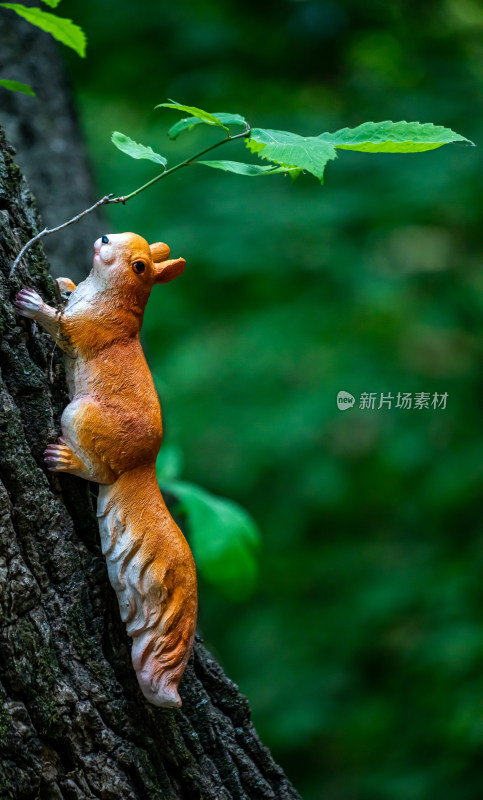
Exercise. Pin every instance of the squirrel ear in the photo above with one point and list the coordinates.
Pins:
(168, 270)
(159, 251)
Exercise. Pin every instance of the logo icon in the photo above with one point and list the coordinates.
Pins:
(345, 401)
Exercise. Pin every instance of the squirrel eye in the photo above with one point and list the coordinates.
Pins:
(138, 267)
(104, 239)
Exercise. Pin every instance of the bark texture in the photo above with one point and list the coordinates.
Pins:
(73, 721)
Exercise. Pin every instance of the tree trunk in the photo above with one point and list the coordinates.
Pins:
(45, 132)
(73, 721)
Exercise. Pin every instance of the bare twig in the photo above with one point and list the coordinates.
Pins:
(188, 161)
(47, 231)
(123, 199)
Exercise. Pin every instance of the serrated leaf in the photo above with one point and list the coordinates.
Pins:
(237, 167)
(16, 86)
(136, 150)
(393, 137)
(191, 122)
(223, 537)
(255, 145)
(62, 29)
(51, 3)
(205, 116)
(291, 150)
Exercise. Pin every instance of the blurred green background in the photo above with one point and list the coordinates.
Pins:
(360, 648)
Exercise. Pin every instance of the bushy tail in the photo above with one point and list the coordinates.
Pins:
(152, 570)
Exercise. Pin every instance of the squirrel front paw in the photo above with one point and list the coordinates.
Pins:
(28, 303)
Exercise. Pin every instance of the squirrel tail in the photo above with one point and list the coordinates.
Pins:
(152, 571)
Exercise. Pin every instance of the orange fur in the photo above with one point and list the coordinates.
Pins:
(112, 432)
(168, 563)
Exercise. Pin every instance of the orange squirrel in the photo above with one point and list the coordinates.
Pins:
(111, 434)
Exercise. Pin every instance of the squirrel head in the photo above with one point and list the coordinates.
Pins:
(127, 261)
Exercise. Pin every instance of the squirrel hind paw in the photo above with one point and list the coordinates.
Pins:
(60, 458)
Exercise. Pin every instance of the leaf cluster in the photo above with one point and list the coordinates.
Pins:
(291, 153)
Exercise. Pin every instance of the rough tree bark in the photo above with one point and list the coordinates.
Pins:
(73, 722)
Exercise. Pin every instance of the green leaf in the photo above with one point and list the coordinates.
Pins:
(64, 30)
(191, 122)
(223, 537)
(393, 137)
(16, 86)
(135, 150)
(169, 462)
(244, 169)
(51, 3)
(204, 116)
(291, 150)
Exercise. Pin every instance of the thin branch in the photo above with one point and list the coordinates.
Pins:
(47, 231)
(188, 161)
(123, 199)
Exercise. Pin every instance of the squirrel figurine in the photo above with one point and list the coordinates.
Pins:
(111, 434)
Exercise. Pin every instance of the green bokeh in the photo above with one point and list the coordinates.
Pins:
(361, 650)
